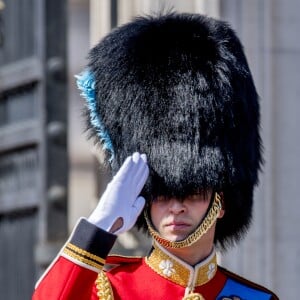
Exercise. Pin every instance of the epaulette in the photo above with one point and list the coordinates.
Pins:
(247, 282)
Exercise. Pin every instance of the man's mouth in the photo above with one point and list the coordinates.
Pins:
(177, 225)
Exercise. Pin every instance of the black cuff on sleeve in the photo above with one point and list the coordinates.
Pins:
(92, 239)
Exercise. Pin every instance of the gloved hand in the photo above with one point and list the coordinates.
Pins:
(120, 200)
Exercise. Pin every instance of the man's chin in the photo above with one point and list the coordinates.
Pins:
(175, 238)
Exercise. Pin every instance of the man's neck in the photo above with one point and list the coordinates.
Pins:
(191, 255)
(196, 252)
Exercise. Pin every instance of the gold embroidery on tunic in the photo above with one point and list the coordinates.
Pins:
(177, 272)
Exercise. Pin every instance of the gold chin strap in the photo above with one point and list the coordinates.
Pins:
(202, 229)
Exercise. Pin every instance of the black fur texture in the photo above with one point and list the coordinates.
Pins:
(178, 88)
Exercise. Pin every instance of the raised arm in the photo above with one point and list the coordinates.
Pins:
(73, 272)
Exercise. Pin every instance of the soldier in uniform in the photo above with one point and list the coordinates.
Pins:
(172, 101)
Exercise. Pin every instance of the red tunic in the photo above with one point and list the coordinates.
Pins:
(77, 274)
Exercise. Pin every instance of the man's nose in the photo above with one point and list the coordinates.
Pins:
(176, 206)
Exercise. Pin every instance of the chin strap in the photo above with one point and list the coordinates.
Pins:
(202, 229)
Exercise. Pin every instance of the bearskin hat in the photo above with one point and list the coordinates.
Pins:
(178, 88)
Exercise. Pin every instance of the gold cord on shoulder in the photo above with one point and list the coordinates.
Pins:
(193, 296)
(104, 289)
(202, 229)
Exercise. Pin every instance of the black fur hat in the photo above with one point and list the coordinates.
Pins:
(178, 88)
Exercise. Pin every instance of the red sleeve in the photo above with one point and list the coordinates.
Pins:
(66, 280)
(73, 273)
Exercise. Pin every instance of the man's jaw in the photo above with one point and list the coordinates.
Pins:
(176, 230)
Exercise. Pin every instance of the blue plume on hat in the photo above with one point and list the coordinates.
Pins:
(86, 83)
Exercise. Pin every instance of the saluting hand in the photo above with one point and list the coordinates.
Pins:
(120, 204)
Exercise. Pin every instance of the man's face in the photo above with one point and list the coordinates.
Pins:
(175, 219)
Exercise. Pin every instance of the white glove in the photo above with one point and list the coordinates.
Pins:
(120, 199)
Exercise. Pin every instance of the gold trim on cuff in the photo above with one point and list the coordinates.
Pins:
(84, 256)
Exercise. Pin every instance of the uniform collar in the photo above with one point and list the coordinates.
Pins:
(178, 271)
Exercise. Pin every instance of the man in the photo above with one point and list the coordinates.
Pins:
(176, 88)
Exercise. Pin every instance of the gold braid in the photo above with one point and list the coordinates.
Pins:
(103, 287)
(193, 296)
